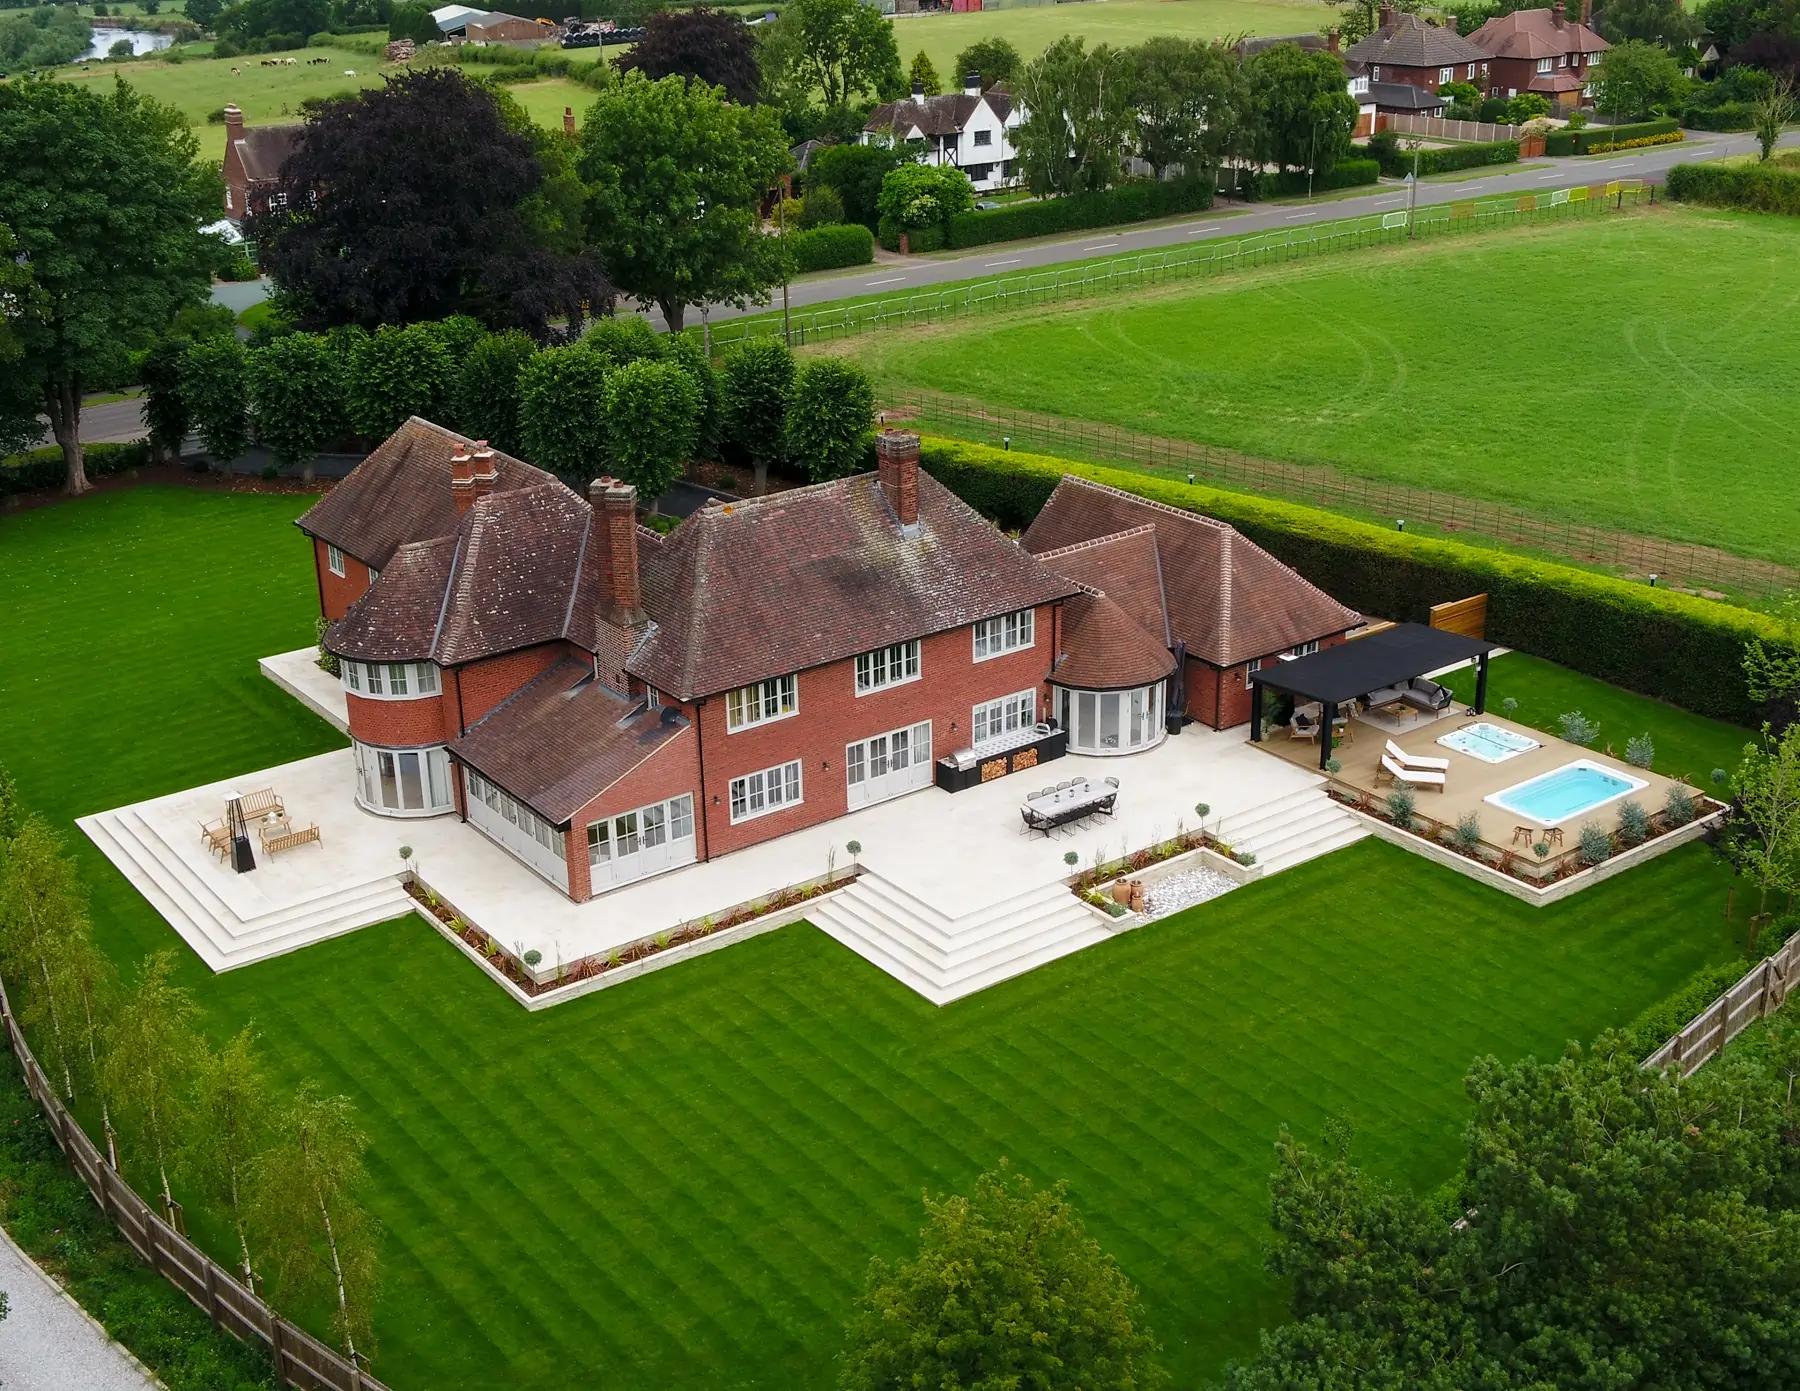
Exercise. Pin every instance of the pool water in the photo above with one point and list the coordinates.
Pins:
(1489, 742)
(1564, 793)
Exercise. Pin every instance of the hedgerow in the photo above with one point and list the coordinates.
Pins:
(833, 246)
(1679, 647)
(44, 468)
(1581, 142)
(1672, 137)
(1132, 202)
(1759, 187)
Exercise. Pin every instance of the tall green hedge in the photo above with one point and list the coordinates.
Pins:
(1759, 187)
(1397, 163)
(1683, 649)
(43, 469)
(833, 246)
(1133, 202)
(1576, 142)
(1727, 115)
(1346, 173)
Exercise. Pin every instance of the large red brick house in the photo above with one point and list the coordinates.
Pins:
(252, 165)
(1541, 51)
(606, 703)
(1419, 53)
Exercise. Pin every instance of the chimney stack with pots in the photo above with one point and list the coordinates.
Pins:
(1387, 17)
(1451, 24)
(897, 467)
(918, 92)
(1559, 14)
(568, 120)
(972, 84)
(1331, 39)
(484, 473)
(615, 535)
(1587, 13)
(462, 480)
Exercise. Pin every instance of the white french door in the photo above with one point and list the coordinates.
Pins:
(888, 764)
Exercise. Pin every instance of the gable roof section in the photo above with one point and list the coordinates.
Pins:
(401, 493)
(941, 115)
(1412, 43)
(1126, 568)
(1226, 597)
(778, 584)
(563, 739)
(264, 149)
(1533, 34)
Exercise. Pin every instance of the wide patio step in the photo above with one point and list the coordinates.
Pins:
(1294, 828)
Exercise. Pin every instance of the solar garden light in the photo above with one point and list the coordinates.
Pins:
(1653, 579)
(1190, 478)
(1399, 523)
(1006, 441)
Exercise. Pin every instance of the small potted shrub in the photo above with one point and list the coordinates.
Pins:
(1467, 836)
(1634, 824)
(1596, 844)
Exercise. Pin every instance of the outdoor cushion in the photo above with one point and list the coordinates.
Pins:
(1416, 775)
(1383, 696)
(1413, 760)
(1426, 695)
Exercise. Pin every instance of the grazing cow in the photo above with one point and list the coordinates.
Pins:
(314, 62)
(290, 62)
(234, 72)
(349, 72)
(267, 62)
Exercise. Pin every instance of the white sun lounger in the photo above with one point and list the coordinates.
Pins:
(1417, 777)
(1413, 760)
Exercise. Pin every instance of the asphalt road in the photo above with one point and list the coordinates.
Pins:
(899, 275)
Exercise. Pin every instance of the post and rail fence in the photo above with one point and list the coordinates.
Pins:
(1385, 501)
(298, 1358)
(1216, 256)
(1763, 990)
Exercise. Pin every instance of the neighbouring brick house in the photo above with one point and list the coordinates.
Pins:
(1541, 51)
(1418, 53)
(606, 703)
(253, 159)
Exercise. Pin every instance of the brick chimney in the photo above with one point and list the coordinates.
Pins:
(1560, 14)
(1587, 13)
(1331, 39)
(972, 84)
(615, 537)
(234, 123)
(897, 467)
(1387, 17)
(918, 92)
(462, 480)
(1452, 24)
(485, 473)
(568, 120)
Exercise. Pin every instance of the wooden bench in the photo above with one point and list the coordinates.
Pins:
(278, 838)
(257, 805)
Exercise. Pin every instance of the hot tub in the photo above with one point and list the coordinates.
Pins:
(1491, 743)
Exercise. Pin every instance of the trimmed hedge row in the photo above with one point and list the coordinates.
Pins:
(1579, 142)
(1400, 162)
(1668, 137)
(1346, 173)
(830, 247)
(1133, 202)
(1727, 115)
(43, 468)
(1759, 187)
(1674, 646)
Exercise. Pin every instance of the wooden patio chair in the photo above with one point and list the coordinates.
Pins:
(217, 837)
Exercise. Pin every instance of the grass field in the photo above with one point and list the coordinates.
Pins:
(265, 95)
(1579, 369)
(1117, 22)
(679, 1182)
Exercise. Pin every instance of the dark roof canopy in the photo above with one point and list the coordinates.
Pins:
(1385, 658)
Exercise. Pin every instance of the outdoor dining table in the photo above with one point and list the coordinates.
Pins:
(1052, 808)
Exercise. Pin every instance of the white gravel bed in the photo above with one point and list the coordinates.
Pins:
(1184, 890)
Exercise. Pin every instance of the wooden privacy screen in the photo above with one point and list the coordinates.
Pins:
(1465, 616)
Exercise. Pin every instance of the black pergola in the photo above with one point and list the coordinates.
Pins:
(1393, 656)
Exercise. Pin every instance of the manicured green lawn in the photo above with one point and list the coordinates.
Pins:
(1581, 369)
(678, 1183)
(1118, 22)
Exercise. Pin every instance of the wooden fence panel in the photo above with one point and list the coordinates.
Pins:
(299, 1358)
(1761, 991)
(1465, 616)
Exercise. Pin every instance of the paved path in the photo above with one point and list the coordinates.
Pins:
(48, 1344)
(898, 275)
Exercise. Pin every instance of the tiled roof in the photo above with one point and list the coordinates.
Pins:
(943, 115)
(1226, 597)
(1124, 567)
(1104, 648)
(563, 739)
(401, 493)
(264, 149)
(777, 584)
(1565, 81)
(1409, 42)
(1533, 34)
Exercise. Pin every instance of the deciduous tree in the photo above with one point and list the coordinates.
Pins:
(717, 48)
(995, 59)
(395, 373)
(1304, 112)
(416, 200)
(1189, 99)
(835, 50)
(1633, 78)
(758, 383)
(1662, 22)
(1007, 1290)
(856, 172)
(487, 389)
(915, 196)
(42, 910)
(217, 396)
(562, 411)
(104, 194)
(678, 174)
(831, 418)
(297, 386)
(1763, 838)
(150, 1051)
(309, 1214)
(653, 424)
(1772, 112)
(1078, 109)
(233, 1119)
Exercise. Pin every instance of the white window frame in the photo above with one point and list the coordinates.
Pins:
(508, 822)
(1546, 65)
(378, 680)
(762, 702)
(765, 792)
(996, 719)
(1306, 649)
(1375, 73)
(334, 560)
(905, 657)
(433, 771)
(1446, 75)
(622, 848)
(1471, 72)
(1004, 633)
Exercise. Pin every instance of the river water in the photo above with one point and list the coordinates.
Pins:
(142, 41)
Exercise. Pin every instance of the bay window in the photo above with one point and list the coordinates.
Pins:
(390, 680)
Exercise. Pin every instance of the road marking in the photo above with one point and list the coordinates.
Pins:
(1295, 217)
(1013, 262)
(1100, 245)
(891, 280)
(1380, 201)
(1553, 174)
(1464, 188)
(1210, 227)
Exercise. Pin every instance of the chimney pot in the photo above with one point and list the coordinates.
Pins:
(615, 511)
(972, 84)
(918, 92)
(1451, 24)
(568, 120)
(1332, 39)
(1559, 14)
(897, 468)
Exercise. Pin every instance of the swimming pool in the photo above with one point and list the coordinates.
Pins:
(1488, 742)
(1552, 798)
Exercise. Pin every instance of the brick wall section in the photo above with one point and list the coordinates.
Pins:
(338, 592)
(1222, 698)
(478, 687)
(670, 771)
(832, 715)
(400, 724)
